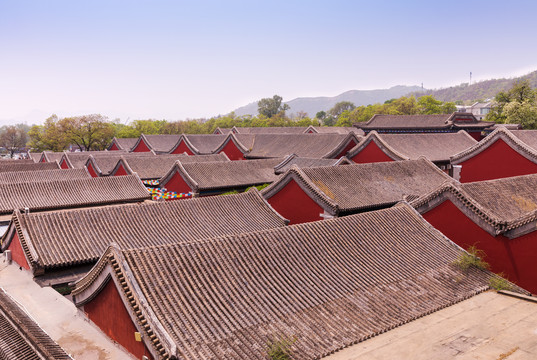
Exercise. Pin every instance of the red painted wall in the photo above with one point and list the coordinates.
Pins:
(232, 151)
(91, 170)
(108, 312)
(177, 184)
(142, 147)
(513, 257)
(294, 204)
(371, 154)
(344, 152)
(499, 160)
(121, 171)
(182, 148)
(476, 135)
(63, 164)
(17, 254)
(113, 147)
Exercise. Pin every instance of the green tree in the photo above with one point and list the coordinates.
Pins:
(341, 107)
(321, 115)
(403, 106)
(270, 107)
(510, 106)
(48, 136)
(523, 113)
(89, 132)
(344, 119)
(13, 137)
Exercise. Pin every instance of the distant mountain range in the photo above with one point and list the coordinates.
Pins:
(312, 105)
(466, 93)
(481, 90)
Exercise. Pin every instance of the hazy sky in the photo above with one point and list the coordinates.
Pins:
(187, 59)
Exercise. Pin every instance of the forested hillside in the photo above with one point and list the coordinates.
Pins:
(481, 90)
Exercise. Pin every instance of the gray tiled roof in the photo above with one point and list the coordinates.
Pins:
(304, 145)
(434, 146)
(359, 187)
(325, 285)
(43, 175)
(10, 166)
(60, 194)
(504, 203)
(85, 233)
(202, 176)
(158, 166)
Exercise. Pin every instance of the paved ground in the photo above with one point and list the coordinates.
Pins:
(58, 317)
(487, 326)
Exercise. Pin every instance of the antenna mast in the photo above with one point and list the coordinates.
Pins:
(470, 78)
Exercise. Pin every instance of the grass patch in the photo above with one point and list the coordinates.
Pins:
(473, 257)
(279, 348)
(498, 282)
(258, 187)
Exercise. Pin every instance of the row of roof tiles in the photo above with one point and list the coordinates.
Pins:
(327, 285)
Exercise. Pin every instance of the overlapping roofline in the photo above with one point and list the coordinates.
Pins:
(289, 158)
(500, 133)
(373, 136)
(479, 214)
(112, 266)
(231, 137)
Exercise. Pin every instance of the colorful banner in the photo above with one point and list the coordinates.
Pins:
(162, 194)
(150, 182)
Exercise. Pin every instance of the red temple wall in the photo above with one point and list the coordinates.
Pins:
(515, 258)
(121, 171)
(91, 170)
(17, 253)
(476, 135)
(232, 151)
(294, 204)
(182, 148)
(108, 312)
(113, 147)
(63, 164)
(142, 147)
(497, 161)
(370, 154)
(177, 184)
(344, 152)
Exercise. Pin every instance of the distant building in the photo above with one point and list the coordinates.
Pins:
(478, 109)
(425, 123)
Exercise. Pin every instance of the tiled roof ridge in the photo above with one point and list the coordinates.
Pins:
(308, 185)
(199, 175)
(362, 124)
(41, 175)
(133, 296)
(459, 194)
(231, 136)
(379, 141)
(111, 181)
(28, 329)
(183, 138)
(400, 205)
(132, 253)
(91, 160)
(500, 133)
(140, 139)
(338, 148)
(285, 161)
(297, 174)
(179, 168)
(25, 241)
